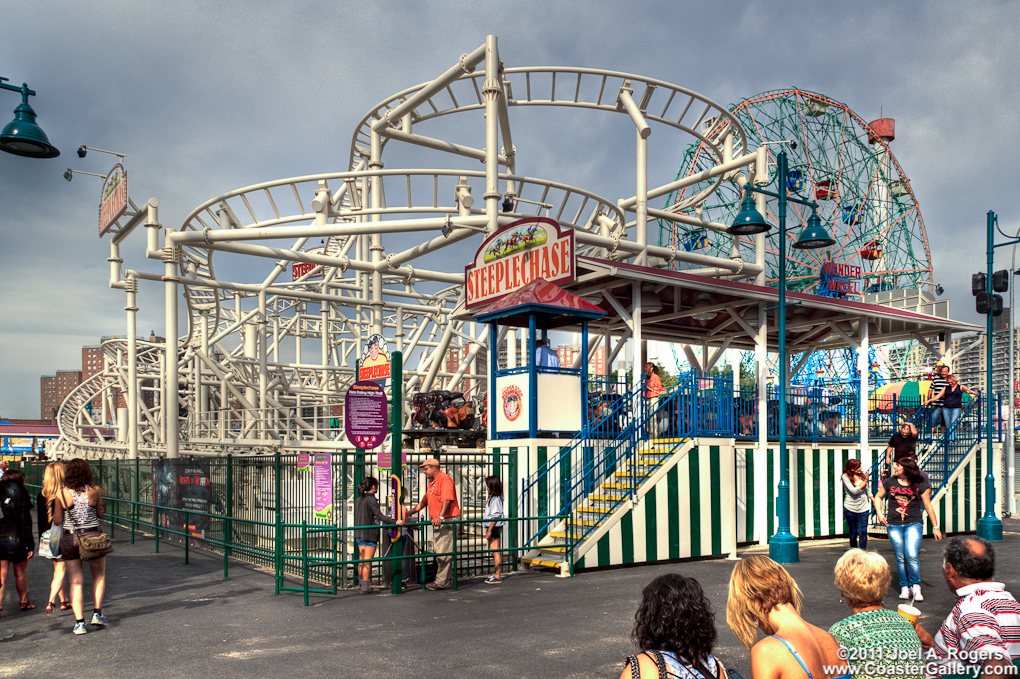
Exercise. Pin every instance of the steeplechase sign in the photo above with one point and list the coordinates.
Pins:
(114, 201)
(509, 259)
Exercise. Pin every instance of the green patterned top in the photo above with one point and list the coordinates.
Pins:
(880, 644)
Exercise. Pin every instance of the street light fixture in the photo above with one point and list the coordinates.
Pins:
(22, 136)
(783, 546)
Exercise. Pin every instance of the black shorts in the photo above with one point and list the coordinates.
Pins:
(497, 533)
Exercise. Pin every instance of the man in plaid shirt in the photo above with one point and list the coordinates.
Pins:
(981, 636)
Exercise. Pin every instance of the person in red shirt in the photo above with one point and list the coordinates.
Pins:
(441, 500)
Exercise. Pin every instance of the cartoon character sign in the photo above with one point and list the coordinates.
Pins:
(512, 398)
(375, 359)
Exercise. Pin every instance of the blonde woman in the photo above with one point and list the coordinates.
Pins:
(763, 596)
(873, 632)
(53, 481)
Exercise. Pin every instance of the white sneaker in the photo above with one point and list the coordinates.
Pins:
(904, 592)
(916, 591)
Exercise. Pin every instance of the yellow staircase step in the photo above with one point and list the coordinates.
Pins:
(541, 562)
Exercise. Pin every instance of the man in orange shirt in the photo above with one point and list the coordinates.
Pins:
(441, 500)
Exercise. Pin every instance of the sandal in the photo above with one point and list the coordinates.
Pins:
(65, 605)
(27, 606)
(50, 607)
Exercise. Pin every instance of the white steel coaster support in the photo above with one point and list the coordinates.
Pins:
(170, 384)
(131, 287)
(492, 89)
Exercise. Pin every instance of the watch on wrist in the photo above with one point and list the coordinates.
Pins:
(442, 518)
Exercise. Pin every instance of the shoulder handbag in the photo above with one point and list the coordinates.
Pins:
(91, 546)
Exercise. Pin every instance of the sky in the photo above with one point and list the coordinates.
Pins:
(203, 98)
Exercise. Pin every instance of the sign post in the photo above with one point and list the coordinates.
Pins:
(396, 471)
(322, 485)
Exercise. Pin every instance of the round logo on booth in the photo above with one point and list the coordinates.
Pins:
(512, 397)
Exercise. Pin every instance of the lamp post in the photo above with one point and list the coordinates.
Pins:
(22, 136)
(989, 526)
(783, 546)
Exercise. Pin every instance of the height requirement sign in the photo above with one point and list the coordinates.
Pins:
(517, 254)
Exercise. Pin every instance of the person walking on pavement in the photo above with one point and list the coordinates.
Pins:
(17, 543)
(79, 507)
(909, 494)
(981, 636)
(856, 502)
(441, 500)
(53, 481)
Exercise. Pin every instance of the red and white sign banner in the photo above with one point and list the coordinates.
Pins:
(517, 254)
(114, 199)
(299, 269)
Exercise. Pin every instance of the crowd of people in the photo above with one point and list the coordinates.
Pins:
(675, 629)
(67, 533)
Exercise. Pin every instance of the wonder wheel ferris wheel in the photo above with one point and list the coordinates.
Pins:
(864, 199)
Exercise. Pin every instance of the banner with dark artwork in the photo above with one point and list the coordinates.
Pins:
(179, 486)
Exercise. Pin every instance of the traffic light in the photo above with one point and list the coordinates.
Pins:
(983, 302)
(996, 305)
(334, 423)
(1000, 281)
(977, 284)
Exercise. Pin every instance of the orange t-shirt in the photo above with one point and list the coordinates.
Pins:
(653, 387)
(440, 490)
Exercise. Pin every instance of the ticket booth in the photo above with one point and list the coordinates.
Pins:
(535, 400)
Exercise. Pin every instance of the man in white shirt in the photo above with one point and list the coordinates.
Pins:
(981, 636)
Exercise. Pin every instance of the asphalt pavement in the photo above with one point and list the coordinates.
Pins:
(169, 619)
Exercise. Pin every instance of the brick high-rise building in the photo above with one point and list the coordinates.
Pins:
(596, 366)
(53, 389)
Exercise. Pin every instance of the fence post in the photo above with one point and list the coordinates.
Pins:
(187, 536)
(277, 540)
(304, 556)
(116, 485)
(454, 556)
(228, 532)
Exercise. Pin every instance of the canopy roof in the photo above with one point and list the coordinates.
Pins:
(552, 306)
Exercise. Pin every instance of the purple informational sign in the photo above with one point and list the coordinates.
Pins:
(322, 485)
(365, 415)
(304, 461)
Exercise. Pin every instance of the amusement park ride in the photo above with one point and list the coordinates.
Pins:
(429, 259)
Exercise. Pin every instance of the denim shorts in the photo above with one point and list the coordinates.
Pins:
(365, 543)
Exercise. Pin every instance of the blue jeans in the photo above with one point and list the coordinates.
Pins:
(949, 416)
(906, 542)
(936, 416)
(858, 523)
(365, 543)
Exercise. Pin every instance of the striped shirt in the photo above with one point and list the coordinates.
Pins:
(937, 385)
(985, 621)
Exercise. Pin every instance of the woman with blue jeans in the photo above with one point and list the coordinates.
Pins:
(909, 493)
(367, 514)
(856, 503)
(952, 403)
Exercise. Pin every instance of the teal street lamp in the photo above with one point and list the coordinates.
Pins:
(783, 546)
(23, 136)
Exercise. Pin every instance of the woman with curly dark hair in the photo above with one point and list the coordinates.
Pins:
(17, 544)
(79, 507)
(675, 629)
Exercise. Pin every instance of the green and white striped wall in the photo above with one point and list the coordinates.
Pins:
(702, 503)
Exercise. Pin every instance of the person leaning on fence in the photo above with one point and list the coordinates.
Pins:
(79, 508)
(367, 513)
(441, 500)
(17, 544)
(982, 633)
(53, 481)
(494, 525)
(873, 632)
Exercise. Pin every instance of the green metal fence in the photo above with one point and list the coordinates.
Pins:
(261, 512)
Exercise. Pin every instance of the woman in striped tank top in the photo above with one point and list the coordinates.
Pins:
(79, 508)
